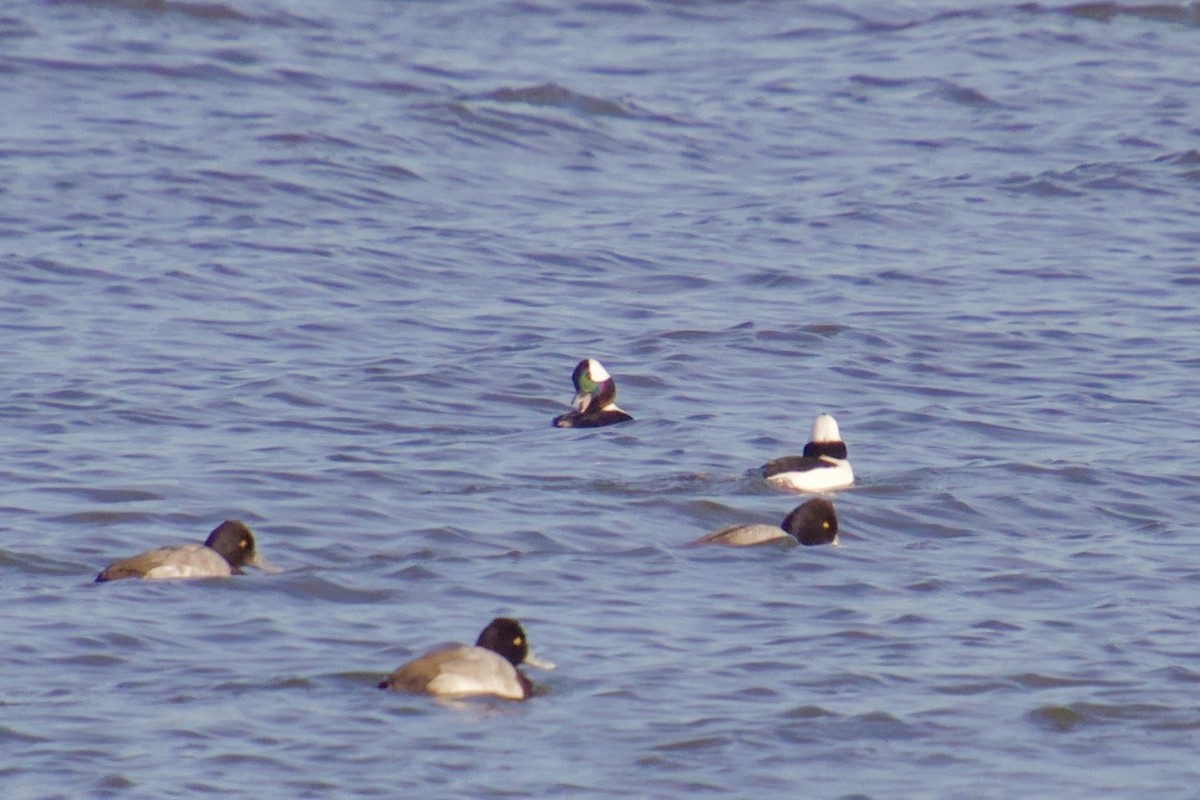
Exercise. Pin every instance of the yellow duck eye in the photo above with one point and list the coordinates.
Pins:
(825, 524)
(517, 641)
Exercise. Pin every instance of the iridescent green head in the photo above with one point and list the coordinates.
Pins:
(593, 385)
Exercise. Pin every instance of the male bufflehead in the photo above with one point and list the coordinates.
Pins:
(595, 398)
(825, 465)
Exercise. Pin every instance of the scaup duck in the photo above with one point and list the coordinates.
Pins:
(595, 398)
(811, 523)
(825, 465)
(228, 548)
(488, 668)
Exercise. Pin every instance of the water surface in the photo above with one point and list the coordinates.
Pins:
(329, 272)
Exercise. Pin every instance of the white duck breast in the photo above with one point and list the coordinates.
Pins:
(810, 474)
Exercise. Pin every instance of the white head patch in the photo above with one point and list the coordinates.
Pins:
(825, 429)
(597, 371)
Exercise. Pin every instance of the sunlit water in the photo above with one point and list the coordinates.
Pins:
(328, 267)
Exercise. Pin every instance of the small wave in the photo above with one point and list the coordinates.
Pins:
(102, 495)
(1041, 186)
(1083, 179)
(1067, 718)
(1058, 718)
(966, 96)
(551, 94)
(1035, 680)
(1154, 12)
(1189, 158)
(880, 82)
(209, 12)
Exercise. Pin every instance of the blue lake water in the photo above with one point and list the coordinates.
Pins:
(328, 269)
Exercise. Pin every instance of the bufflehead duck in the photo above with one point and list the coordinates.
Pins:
(825, 465)
(488, 668)
(228, 548)
(595, 398)
(811, 523)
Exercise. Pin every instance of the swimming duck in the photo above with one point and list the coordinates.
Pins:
(825, 465)
(595, 398)
(488, 668)
(228, 548)
(811, 523)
